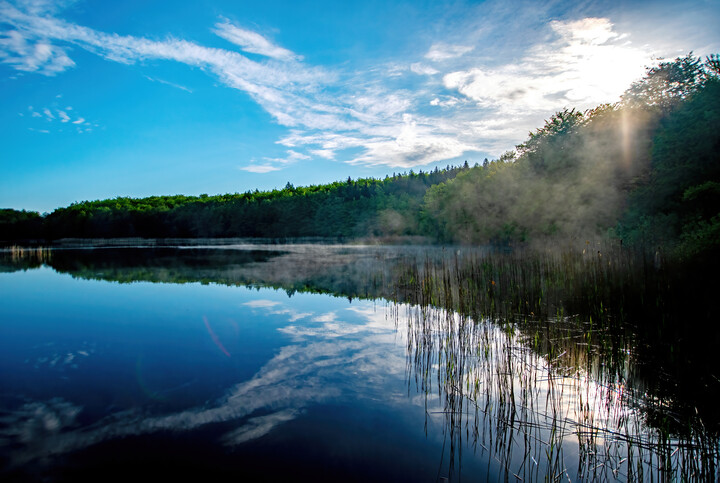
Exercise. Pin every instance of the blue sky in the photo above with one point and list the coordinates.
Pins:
(135, 98)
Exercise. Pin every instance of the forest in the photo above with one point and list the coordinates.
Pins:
(644, 172)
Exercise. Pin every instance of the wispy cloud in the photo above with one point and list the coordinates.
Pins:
(293, 315)
(423, 69)
(38, 7)
(454, 98)
(168, 83)
(327, 317)
(338, 359)
(53, 115)
(415, 144)
(323, 153)
(260, 168)
(261, 303)
(441, 51)
(447, 101)
(32, 55)
(252, 42)
(585, 64)
(275, 164)
(259, 426)
(292, 156)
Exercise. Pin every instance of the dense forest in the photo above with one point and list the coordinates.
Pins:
(347, 209)
(645, 170)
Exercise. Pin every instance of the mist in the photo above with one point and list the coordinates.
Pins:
(582, 175)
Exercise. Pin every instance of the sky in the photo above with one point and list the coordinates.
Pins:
(137, 98)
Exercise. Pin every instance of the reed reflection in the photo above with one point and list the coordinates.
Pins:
(571, 363)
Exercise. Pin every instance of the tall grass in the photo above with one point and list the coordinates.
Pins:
(535, 355)
(588, 362)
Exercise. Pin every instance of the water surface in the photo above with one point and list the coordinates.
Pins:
(305, 363)
(103, 376)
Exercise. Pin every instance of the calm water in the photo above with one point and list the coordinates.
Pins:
(218, 361)
(102, 377)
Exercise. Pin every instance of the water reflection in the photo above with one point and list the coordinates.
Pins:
(326, 352)
(544, 416)
(493, 393)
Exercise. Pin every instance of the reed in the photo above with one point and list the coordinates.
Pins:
(587, 362)
(535, 353)
(31, 256)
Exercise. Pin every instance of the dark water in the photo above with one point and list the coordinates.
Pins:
(276, 364)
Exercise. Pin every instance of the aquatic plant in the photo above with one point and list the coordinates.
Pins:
(538, 354)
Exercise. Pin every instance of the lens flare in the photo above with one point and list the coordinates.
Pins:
(214, 337)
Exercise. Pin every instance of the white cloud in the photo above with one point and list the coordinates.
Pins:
(259, 79)
(259, 426)
(276, 164)
(168, 83)
(292, 156)
(287, 89)
(414, 145)
(38, 7)
(369, 117)
(422, 69)
(253, 42)
(582, 67)
(261, 303)
(293, 315)
(441, 51)
(447, 101)
(323, 153)
(32, 55)
(327, 317)
(53, 114)
(260, 168)
(589, 31)
(386, 115)
(363, 358)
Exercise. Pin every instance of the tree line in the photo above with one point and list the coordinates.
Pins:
(366, 207)
(644, 170)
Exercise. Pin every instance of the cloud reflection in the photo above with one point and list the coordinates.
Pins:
(353, 354)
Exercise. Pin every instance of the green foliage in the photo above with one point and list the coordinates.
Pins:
(645, 169)
(667, 84)
(568, 180)
(19, 224)
(354, 208)
(473, 206)
(677, 206)
(653, 156)
(553, 146)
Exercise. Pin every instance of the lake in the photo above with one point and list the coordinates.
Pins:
(312, 362)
